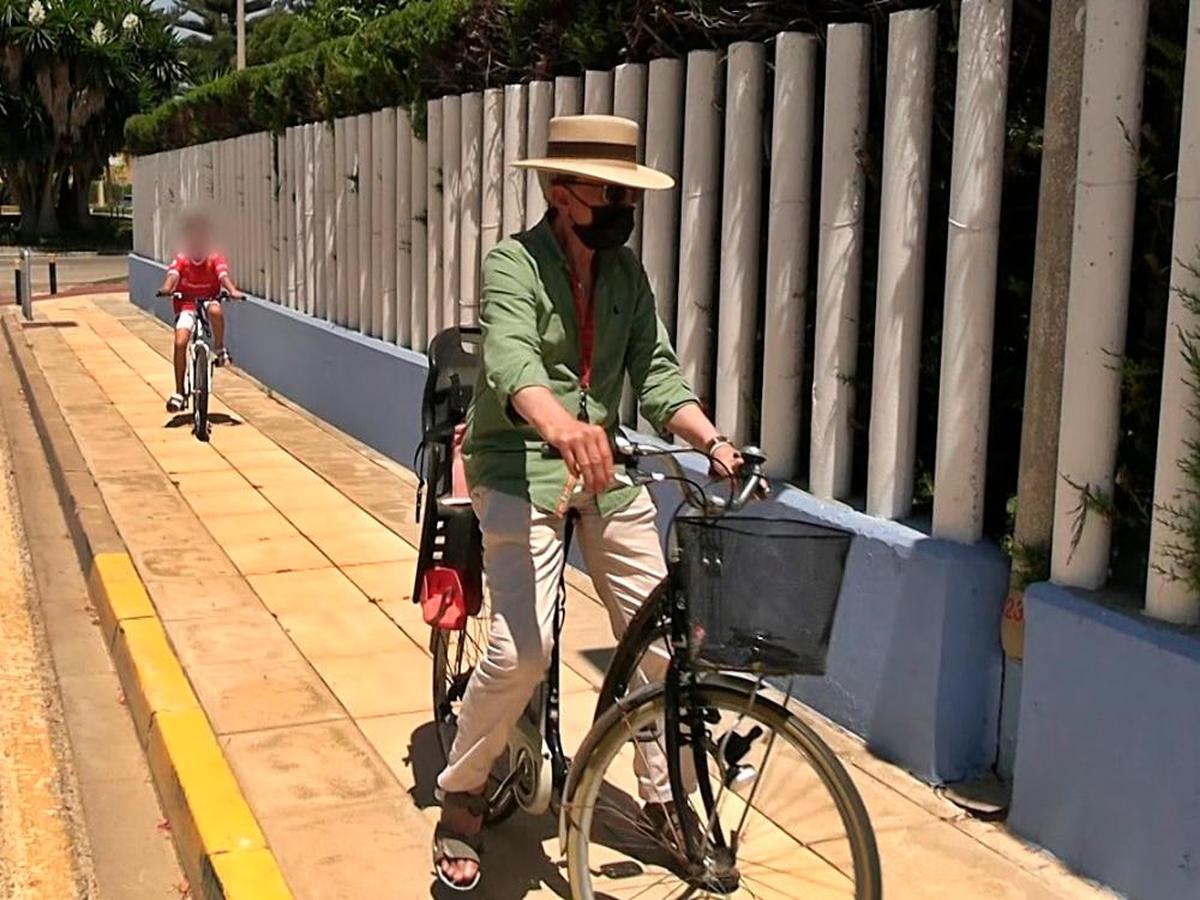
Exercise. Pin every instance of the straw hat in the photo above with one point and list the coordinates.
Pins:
(603, 148)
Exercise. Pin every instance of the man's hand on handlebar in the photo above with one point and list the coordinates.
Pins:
(725, 462)
(586, 450)
(746, 481)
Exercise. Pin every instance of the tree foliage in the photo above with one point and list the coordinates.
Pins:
(279, 34)
(71, 73)
(209, 33)
(1182, 514)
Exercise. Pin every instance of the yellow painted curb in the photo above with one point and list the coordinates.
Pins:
(221, 847)
(202, 800)
(249, 875)
(150, 673)
(114, 579)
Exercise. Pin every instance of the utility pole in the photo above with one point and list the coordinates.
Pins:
(241, 34)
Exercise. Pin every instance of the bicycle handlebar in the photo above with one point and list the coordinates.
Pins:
(628, 453)
(222, 296)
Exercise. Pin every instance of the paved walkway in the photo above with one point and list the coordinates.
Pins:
(280, 558)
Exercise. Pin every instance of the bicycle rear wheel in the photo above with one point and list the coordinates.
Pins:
(200, 370)
(455, 656)
(785, 821)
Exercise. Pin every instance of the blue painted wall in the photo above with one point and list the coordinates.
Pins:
(1107, 770)
(914, 665)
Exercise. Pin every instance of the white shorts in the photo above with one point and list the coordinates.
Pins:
(186, 320)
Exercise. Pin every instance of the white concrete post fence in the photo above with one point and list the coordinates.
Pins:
(491, 217)
(699, 213)
(1097, 305)
(741, 207)
(788, 224)
(900, 287)
(541, 110)
(1167, 594)
(452, 152)
(663, 140)
(399, 228)
(382, 231)
(839, 261)
(971, 252)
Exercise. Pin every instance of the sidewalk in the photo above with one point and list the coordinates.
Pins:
(280, 558)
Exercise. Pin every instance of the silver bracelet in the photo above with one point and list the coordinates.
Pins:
(721, 442)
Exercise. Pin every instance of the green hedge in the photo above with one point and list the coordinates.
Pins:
(431, 47)
(378, 66)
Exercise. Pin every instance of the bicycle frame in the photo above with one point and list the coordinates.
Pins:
(546, 704)
(201, 328)
(200, 332)
(664, 614)
(531, 752)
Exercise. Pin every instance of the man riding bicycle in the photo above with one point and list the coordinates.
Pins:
(567, 313)
(198, 273)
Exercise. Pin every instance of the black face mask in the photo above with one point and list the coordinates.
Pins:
(611, 226)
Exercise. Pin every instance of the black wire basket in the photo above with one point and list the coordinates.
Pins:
(761, 593)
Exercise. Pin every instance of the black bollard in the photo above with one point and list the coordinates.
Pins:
(17, 283)
(53, 274)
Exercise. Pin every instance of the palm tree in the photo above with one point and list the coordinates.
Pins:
(71, 72)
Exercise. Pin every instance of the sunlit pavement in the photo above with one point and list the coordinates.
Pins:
(280, 558)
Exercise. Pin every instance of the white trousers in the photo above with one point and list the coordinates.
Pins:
(523, 559)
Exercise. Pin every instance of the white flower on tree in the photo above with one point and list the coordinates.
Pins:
(99, 33)
(131, 22)
(37, 13)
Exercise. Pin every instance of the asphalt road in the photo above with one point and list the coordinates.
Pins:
(74, 269)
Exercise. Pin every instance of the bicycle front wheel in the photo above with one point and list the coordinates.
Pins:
(778, 817)
(200, 392)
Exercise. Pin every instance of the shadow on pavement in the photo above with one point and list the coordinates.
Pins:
(179, 420)
(514, 861)
(65, 324)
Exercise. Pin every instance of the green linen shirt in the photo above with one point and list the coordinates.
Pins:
(531, 337)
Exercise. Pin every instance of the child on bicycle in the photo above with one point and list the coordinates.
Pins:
(198, 273)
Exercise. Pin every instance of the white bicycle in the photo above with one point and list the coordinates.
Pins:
(201, 360)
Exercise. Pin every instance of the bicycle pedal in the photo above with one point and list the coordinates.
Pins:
(738, 776)
(736, 746)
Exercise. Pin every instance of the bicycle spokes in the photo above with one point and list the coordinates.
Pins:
(766, 821)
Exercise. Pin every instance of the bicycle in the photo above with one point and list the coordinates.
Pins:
(200, 362)
(718, 731)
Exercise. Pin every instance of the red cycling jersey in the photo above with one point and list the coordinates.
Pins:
(197, 280)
